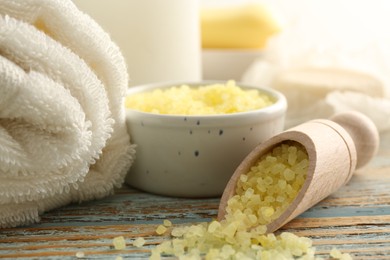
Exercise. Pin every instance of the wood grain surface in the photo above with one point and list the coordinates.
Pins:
(355, 219)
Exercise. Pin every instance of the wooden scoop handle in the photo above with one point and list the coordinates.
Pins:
(363, 133)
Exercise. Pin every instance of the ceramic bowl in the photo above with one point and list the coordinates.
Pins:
(195, 156)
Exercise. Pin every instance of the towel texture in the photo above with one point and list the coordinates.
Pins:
(63, 136)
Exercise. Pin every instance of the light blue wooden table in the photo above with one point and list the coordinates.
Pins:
(356, 220)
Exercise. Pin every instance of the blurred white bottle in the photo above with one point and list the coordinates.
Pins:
(160, 39)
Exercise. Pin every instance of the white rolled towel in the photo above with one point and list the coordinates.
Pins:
(63, 136)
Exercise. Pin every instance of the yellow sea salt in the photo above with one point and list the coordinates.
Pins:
(161, 229)
(167, 223)
(213, 226)
(275, 179)
(139, 242)
(202, 100)
(261, 196)
(337, 254)
(119, 243)
(80, 254)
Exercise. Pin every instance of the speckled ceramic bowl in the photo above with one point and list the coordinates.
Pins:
(194, 156)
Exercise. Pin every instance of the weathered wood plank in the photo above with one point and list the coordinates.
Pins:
(355, 219)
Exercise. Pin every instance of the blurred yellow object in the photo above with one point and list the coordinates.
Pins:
(245, 26)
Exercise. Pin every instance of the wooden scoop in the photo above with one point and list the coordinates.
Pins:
(335, 148)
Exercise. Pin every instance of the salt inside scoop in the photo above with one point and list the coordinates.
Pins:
(271, 184)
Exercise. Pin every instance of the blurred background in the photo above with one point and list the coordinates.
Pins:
(324, 55)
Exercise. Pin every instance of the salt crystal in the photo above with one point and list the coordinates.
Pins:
(119, 243)
(161, 229)
(139, 242)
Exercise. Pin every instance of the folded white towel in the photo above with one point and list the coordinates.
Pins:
(62, 125)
